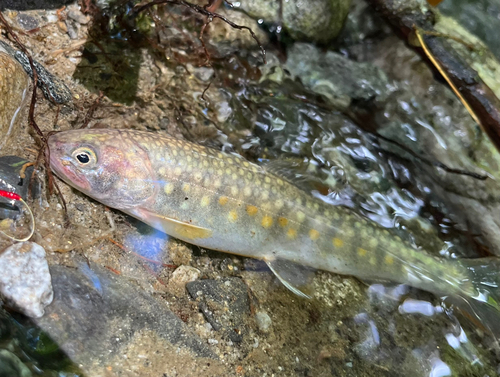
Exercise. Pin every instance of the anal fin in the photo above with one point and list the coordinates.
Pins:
(291, 275)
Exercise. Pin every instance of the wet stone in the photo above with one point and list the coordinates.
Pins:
(224, 303)
(97, 316)
(12, 366)
(341, 80)
(25, 282)
(54, 89)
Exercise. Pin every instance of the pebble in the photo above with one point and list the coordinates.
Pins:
(184, 274)
(264, 322)
(25, 282)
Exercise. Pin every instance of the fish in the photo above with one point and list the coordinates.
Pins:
(221, 201)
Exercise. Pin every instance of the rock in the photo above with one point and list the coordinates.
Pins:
(184, 274)
(12, 366)
(54, 89)
(25, 280)
(14, 85)
(78, 16)
(224, 303)
(32, 4)
(264, 322)
(337, 78)
(315, 20)
(99, 318)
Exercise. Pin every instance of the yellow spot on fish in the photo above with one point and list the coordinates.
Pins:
(245, 164)
(241, 172)
(357, 224)
(313, 234)
(301, 216)
(205, 163)
(217, 183)
(280, 182)
(252, 210)
(205, 201)
(177, 171)
(233, 216)
(267, 221)
(247, 191)
(274, 190)
(234, 190)
(265, 195)
(389, 259)
(362, 252)
(174, 152)
(373, 243)
(189, 158)
(283, 221)
(186, 187)
(337, 242)
(234, 176)
(292, 233)
(267, 179)
(169, 188)
(249, 176)
(198, 176)
(228, 171)
(220, 155)
(161, 170)
(223, 200)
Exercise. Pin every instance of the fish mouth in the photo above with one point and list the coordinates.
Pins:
(62, 166)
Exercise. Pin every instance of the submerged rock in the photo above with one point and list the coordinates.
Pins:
(25, 280)
(12, 366)
(223, 303)
(101, 319)
(313, 20)
(335, 77)
(14, 84)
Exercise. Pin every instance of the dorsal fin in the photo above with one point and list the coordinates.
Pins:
(173, 227)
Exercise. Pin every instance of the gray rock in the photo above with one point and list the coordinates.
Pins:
(97, 314)
(224, 303)
(53, 88)
(32, 4)
(335, 77)
(25, 280)
(12, 366)
(314, 20)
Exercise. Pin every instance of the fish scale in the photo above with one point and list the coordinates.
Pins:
(221, 201)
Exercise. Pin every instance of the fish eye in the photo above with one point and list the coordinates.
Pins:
(85, 156)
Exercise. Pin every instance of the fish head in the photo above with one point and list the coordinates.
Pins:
(104, 165)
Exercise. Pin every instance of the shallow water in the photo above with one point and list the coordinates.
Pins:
(279, 116)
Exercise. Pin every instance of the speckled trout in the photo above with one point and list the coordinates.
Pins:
(222, 202)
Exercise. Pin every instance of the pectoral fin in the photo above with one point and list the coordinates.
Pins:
(173, 227)
(291, 275)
